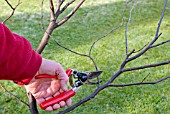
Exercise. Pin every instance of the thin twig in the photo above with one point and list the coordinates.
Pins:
(68, 4)
(59, 3)
(62, 45)
(42, 14)
(69, 15)
(77, 53)
(156, 35)
(114, 76)
(145, 78)
(141, 48)
(139, 83)
(146, 66)
(52, 10)
(161, 18)
(159, 44)
(13, 10)
(14, 95)
(145, 49)
(127, 25)
(111, 31)
(100, 88)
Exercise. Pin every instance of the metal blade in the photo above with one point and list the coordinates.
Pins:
(93, 83)
(92, 75)
(71, 81)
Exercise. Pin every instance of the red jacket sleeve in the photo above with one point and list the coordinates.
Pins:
(18, 61)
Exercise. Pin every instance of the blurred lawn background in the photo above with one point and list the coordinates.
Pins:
(93, 20)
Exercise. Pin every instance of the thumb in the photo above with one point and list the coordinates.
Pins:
(62, 76)
(63, 84)
(54, 68)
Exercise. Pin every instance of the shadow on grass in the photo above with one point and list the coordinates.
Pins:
(88, 24)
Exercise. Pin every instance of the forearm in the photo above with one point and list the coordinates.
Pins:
(19, 62)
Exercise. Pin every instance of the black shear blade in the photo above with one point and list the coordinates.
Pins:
(92, 75)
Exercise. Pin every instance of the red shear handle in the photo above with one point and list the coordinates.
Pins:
(45, 76)
(61, 97)
(68, 72)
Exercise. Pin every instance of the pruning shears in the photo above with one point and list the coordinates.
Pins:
(81, 77)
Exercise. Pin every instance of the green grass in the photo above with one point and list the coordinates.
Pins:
(93, 20)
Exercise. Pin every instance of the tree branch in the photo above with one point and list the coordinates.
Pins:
(127, 24)
(159, 44)
(122, 70)
(69, 15)
(52, 10)
(144, 50)
(13, 10)
(139, 83)
(32, 103)
(156, 34)
(146, 66)
(65, 7)
(14, 95)
(59, 3)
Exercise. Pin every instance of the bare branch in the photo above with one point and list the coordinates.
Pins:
(122, 70)
(111, 31)
(14, 95)
(141, 48)
(68, 48)
(65, 7)
(13, 10)
(145, 78)
(146, 66)
(90, 97)
(145, 49)
(127, 25)
(73, 51)
(69, 15)
(161, 18)
(52, 10)
(59, 3)
(159, 44)
(156, 35)
(10, 4)
(52, 25)
(32, 104)
(139, 83)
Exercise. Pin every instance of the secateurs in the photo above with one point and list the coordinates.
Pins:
(81, 77)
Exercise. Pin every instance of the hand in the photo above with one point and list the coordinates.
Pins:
(44, 89)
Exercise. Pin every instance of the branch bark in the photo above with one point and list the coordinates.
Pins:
(139, 83)
(69, 15)
(146, 66)
(53, 24)
(122, 69)
(13, 10)
(51, 27)
(14, 95)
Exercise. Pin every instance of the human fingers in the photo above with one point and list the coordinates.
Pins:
(62, 77)
(56, 106)
(68, 102)
(50, 108)
(40, 100)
